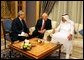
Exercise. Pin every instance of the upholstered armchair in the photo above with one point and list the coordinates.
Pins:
(6, 25)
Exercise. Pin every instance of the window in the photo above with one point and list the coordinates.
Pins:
(19, 5)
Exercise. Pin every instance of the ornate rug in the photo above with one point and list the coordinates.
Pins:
(5, 54)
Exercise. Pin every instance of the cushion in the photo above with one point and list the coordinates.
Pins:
(81, 32)
(78, 42)
(78, 27)
(7, 25)
(53, 24)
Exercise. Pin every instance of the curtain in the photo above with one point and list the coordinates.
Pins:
(8, 9)
(5, 13)
(9, 5)
(11, 8)
(47, 6)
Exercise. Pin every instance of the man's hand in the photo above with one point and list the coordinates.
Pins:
(53, 30)
(26, 34)
(42, 31)
(70, 37)
(29, 34)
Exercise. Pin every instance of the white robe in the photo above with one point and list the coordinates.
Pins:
(64, 29)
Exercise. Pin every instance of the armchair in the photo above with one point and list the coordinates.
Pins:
(6, 25)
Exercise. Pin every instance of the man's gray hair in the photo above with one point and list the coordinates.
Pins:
(20, 12)
(44, 14)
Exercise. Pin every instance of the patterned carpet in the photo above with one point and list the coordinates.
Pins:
(76, 54)
(5, 54)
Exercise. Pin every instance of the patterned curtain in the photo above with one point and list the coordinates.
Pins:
(5, 13)
(47, 6)
(7, 9)
(11, 8)
(9, 5)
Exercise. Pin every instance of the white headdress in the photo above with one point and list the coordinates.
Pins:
(67, 18)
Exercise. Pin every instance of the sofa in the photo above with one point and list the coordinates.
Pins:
(77, 40)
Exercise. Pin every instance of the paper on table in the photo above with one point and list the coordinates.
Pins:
(23, 34)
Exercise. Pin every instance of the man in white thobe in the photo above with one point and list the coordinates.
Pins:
(63, 34)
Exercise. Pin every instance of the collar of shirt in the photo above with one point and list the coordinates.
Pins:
(42, 22)
(20, 19)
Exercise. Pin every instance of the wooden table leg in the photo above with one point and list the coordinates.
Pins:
(5, 43)
(59, 52)
(10, 53)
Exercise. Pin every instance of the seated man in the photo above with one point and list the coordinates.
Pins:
(63, 34)
(42, 25)
(19, 28)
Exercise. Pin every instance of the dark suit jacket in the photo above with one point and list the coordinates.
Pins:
(17, 28)
(47, 24)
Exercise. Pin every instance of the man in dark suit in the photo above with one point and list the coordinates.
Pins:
(19, 27)
(42, 25)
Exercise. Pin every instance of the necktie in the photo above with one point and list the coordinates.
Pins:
(22, 26)
(43, 26)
